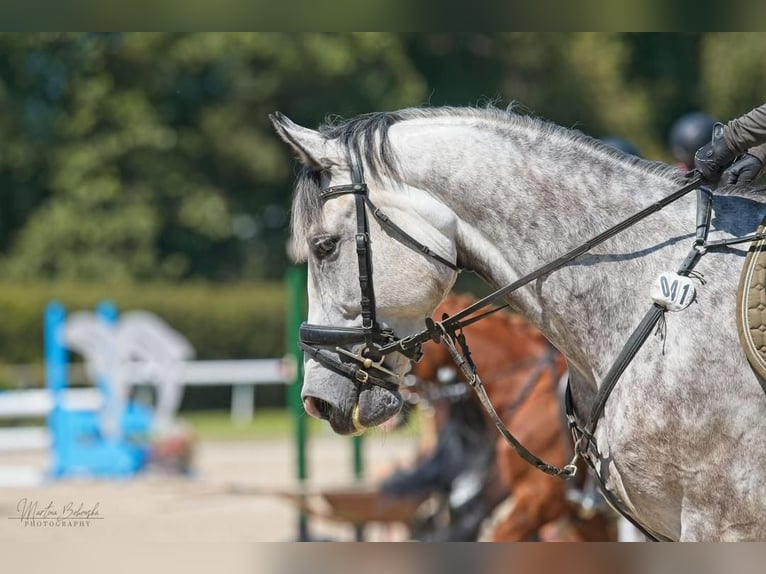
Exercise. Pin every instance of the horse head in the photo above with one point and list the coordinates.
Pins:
(365, 287)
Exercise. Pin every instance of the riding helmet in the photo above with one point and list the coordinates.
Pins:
(689, 133)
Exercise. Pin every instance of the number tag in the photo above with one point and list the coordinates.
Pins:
(672, 291)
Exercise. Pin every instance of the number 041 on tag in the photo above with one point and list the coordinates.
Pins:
(672, 291)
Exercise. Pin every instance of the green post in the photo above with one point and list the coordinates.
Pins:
(296, 313)
(357, 444)
(358, 459)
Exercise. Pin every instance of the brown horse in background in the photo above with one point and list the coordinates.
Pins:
(521, 372)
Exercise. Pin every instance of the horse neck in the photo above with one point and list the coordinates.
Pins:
(521, 202)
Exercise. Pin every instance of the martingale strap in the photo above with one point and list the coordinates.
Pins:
(466, 365)
(656, 312)
(584, 436)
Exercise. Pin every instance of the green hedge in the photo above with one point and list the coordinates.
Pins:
(221, 322)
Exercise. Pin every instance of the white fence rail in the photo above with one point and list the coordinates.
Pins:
(36, 403)
(138, 349)
(242, 375)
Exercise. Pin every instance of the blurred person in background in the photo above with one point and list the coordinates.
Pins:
(742, 139)
(687, 134)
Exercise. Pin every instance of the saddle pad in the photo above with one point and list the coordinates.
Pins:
(751, 305)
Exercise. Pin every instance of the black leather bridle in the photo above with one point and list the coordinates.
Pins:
(329, 345)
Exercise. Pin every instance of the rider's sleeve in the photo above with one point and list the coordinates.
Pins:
(747, 131)
(759, 152)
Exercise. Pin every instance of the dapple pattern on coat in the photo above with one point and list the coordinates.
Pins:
(683, 438)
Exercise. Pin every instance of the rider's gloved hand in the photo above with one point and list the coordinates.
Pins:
(744, 171)
(712, 159)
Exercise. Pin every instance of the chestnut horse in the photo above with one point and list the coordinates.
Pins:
(521, 371)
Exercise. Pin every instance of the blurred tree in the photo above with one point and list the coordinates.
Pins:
(134, 156)
(630, 85)
(667, 66)
(583, 81)
(734, 73)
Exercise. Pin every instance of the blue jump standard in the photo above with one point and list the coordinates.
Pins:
(79, 445)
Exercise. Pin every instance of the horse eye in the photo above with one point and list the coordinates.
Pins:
(324, 246)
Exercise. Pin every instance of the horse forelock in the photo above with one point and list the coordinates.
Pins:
(306, 210)
(367, 138)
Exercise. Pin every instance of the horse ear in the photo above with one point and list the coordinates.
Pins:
(312, 148)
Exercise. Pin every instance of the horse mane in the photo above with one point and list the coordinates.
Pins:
(367, 134)
(366, 137)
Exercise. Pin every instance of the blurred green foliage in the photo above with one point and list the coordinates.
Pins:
(734, 74)
(233, 321)
(142, 167)
(134, 157)
(147, 156)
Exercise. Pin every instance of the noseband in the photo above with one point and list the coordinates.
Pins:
(328, 345)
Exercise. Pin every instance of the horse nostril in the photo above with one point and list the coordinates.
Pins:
(317, 408)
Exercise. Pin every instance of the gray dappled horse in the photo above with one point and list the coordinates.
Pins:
(682, 440)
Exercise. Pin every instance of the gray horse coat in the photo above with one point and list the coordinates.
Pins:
(682, 438)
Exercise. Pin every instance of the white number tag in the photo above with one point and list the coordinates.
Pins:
(672, 291)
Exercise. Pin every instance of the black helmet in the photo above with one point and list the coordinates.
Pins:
(621, 144)
(689, 133)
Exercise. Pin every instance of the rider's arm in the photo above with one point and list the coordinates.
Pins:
(747, 131)
(743, 134)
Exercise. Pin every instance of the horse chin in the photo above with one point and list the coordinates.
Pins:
(346, 424)
(348, 407)
(376, 405)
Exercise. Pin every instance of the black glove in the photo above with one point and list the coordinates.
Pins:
(712, 159)
(744, 171)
